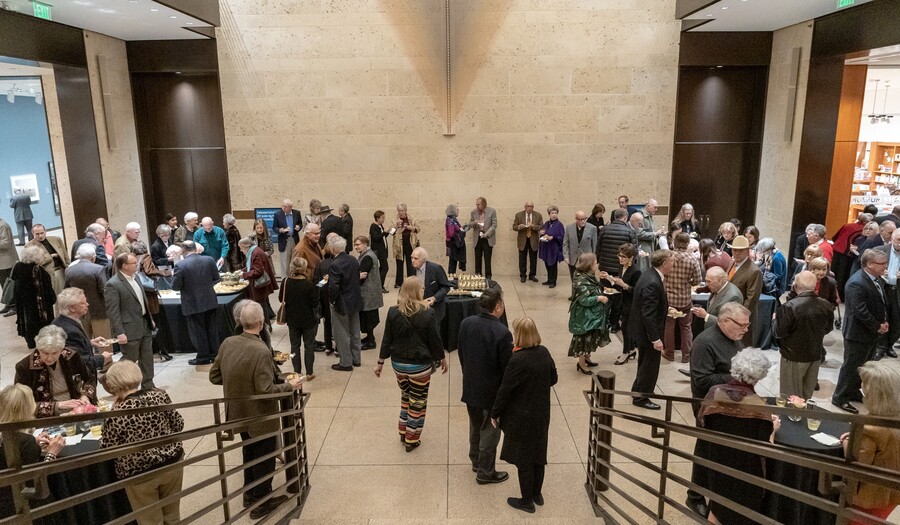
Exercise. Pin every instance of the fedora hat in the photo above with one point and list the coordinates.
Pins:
(324, 209)
(740, 243)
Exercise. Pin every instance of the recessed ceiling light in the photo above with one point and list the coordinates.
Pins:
(173, 16)
(190, 23)
(725, 7)
(154, 9)
(708, 14)
(107, 11)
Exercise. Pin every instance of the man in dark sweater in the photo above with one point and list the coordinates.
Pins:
(800, 327)
(485, 347)
(710, 366)
(609, 240)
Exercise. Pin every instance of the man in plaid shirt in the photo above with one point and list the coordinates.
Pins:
(685, 273)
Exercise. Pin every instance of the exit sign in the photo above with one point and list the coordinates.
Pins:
(845, 3)
(41, 10)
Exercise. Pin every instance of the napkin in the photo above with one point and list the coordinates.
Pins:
(74, 440)
(826, 439)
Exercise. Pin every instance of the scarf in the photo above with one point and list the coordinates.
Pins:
(734, 391)
(249, 253)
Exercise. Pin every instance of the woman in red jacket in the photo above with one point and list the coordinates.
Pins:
(261, 275)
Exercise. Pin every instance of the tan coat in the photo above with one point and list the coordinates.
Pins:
(397, 242)
(46, 261)
(8, 255)
(244, 367)
(537, 222)
(880, 447)
(123, 245)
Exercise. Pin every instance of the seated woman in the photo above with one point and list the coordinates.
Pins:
(124, 381)
(748, 367)
(57, 376)
(17, 404)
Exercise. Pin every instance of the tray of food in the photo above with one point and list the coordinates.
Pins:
(282, 357)
(675, 314)
(106, 342)
(222, 288)
(609, 291)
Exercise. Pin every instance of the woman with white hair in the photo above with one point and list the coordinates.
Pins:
(34, 294)
(773, 265)
(744, 420)
(235, 259)
(60, 380)
(160, 244)
(687, 222)
(258, 270)
(455, 240)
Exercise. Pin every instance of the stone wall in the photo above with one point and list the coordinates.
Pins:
(572, 102)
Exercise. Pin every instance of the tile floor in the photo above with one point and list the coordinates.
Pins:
(360, 474)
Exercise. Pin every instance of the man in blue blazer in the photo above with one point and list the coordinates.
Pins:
(195, 278)
(436, 284)
(287, 223)
(647, 323)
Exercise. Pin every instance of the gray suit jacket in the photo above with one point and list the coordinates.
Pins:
(8, 254)
(572, 248)
(21, 205)
(728, 294)
(490, 225)
(91, 278)
(124, 310)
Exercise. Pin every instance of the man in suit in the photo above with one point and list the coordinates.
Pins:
(8, 258)
(580, 237)
(346, 224)
(485, 346)
(647, 323)
(721, 292)
(331, 223)
(747, 277)
(345, 295)
(483, 222)
(21, 205)
(73, 307)
(88, 276)
(129, 318)
(649, 234)
(94, 236)
(55, 257)
(435, 279)
(892, 252)
(195, 277)
(527, 223)
(868, 304)
(883, 237)
(244, 368)
(287, 223)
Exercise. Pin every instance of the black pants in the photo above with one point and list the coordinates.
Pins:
(24, 228)
(527, 255)
(308, 337)
(204, 333)
(326, 316)
(647, 372)
(552, 271)
(848, 385)
(261, 469)
(699, 474)
(483, 249)
(383, 269)
(406, 262)
(453, 263)
(531, 480)
(483, 441)
(572, 278)
(615, 309)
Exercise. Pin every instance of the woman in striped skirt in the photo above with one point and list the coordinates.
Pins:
(412, 342)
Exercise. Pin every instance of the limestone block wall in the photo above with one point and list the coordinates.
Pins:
(572, 102)
(780, 158)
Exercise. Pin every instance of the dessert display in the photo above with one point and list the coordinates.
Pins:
(231, 283)
(675, 314)
(468, 282)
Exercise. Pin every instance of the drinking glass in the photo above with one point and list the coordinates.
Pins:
(794, 417)
(781, 401)
(71, 429)
(811, 423)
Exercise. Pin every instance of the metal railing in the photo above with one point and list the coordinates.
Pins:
(619, 500)
(31, 482)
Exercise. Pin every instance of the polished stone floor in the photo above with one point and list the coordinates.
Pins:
(360, 474)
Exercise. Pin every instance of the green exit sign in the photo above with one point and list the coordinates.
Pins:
(845, 3)
(41, 10)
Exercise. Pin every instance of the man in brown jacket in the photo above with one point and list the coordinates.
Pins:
(527, 223)
(746, 275)
(244, 367)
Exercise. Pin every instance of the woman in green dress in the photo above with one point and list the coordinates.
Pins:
(588, 313)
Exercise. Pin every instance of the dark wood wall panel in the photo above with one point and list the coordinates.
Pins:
(23, 36)
(169, 56)
(745, 48)
(860, 28)
(722, 106)
(853, 89)
(209, 169)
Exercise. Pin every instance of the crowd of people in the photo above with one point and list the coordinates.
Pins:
(631, 275)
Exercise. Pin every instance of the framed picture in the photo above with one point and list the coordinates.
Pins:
(53, 189)
(26, 184)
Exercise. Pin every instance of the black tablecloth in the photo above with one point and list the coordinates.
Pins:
(458, 308)
(173, 325)
(761, 327)
(73, 482)
(796, 435)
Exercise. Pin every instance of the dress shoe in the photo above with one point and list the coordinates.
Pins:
(9, 313)
(551, 285)
(817, 387)
(684, 371)
(521, 504)
(582, 370)
(878, 356)
(545, 283)
(522, 279)
(539, 499)
(7, 307)
(357, 365)
(384, 290)
(614, 329)
(497, 477)
(338, 367)
(310, 377)
(698, 506)
(668, 357)
(685, 358)
(624, 358)
(847, 407)
(590, 363)
(367, 345)
(646, 403)
(891, 353)
(412, 446)
(329, 351)
(166, 356)
(199, 362)
(266, 508)
(396, 286)
(249, 500)
(533, 279)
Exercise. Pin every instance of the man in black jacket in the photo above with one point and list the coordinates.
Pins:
(73, 306)
(435, 280)
(800, 327)
(195, 278)
(330, 224)
(346, 224)
(485, 346)
(883, 237)
(609, 239)
(345, 295)
(647, 323)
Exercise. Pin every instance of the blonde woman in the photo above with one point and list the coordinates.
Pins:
(405, 232)
(727, 233)
(412, 343)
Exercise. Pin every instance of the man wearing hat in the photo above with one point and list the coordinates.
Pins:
(746, 276)
(330, 224)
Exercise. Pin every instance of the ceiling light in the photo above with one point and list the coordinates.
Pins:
(190, 23)
(106, 11)
(709, 14)
(173, 16)
(154, 9)
(132, 1)
(178, 72)
(724, 7)
(719, 67)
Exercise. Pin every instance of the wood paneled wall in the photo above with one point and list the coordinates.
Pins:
(853, 88)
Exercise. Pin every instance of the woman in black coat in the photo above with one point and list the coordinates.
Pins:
(522, 411)
(34, 294)
(300, 298)
(625, 284)
(378, 238)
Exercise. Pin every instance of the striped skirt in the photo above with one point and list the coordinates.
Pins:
(413, 380)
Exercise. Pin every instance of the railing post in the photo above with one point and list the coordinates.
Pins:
(14, 460)
(217, 417)
(607, 381)
(289, 423)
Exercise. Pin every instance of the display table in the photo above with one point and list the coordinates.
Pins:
(796, 435)
(72, 482)
(761, 327)
(458, 307)
(173, 325)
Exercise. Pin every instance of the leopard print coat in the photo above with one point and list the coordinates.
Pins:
(118, 431)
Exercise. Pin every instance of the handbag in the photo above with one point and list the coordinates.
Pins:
(262, 282)
(279, 317)
(148, 284)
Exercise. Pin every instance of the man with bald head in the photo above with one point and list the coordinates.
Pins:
(580, 237)
(526, 224)
(721, 292)
(800, 327)
(434, 279)
(214, 241)
(649, 234)
(132, 233)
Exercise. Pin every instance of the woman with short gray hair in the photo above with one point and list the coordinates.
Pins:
(160, 244)
(34, 295)
(235, 259)
(744, 416)
(455, 240)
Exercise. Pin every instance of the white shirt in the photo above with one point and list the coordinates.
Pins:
(138, 291)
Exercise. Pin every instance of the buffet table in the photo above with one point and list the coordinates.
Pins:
(173, 326)
(458, 307)
(73, 482)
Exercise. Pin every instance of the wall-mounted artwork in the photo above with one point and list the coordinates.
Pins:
(26, 184)
(54, 190)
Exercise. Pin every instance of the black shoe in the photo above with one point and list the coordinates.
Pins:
(891, 353)
(357, 365)
(200, 362)
(614, 329)
(396, 286)
(412, 446)
(624, 358)
(7, 308)
(582, 370)
(847, 407)
(684, 371)
(570, 298)
(9, 313)
(545, 283)
(521, 504)
(249, 500)
(338, 367)
(266, 508)
(878, 356)
(166, 356)
(551, 285)
(368, 345)
(319, 349)
(539, 499)
(474, 469)
(817, 386)
(533, 279)
(698, 506)
(522, 278)
(384, 290)
(497, 477)
(646, 403)
(590, 363)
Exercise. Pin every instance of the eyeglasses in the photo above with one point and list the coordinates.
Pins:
(742, 326)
